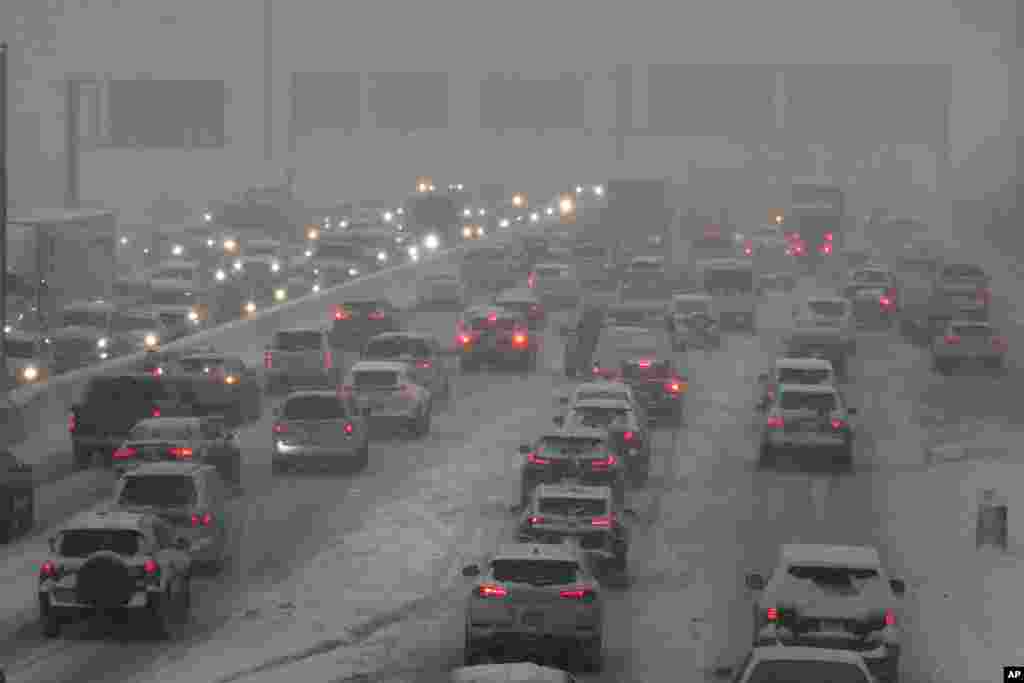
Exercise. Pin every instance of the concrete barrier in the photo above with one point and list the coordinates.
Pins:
(50, 402)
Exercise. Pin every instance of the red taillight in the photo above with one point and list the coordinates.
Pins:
(891, 293)
(179, 452)
(345, 390)
(488, 590)
(424, 364)
(268, 360)
(519, 340)
(328, 360)
(205, 519)
(408, 391)
(125, 453)
(341, 314)
(952, 339)
(1000, 343)
(776, 422)
(597, 370)
(773, 614)
(828, 236)
(838, 424)
(577, 594)
(156, 412)
(492, 317)
(48, 570)
(674, 387)
(280, 428)
(604, 463)
(605, 521)
(151, 568)
(349, 428)
(535, 459)
(536, 519)
(890, 618)
(885, 301)
(825, 248)
(644, 364)
(628, 436)
(375, 315)
(465, 339)
(157, 371)
(748, 251)
(72, 423)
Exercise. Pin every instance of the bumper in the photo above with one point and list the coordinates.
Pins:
(61, 602)
(880, 655)
(980, 357)
(803, 440)
(94, 444)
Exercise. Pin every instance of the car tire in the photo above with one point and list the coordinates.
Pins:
(593, 656)
(81, 458)
(767, 456)
(159, 613)
(50, 625)
(845, 456)
(363, 457)
(943, 367)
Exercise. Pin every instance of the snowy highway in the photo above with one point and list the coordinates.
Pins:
(336, 576)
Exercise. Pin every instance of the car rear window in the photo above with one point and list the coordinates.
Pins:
(798, 400)
(373, 379)
(174, 274)
(128, 323)
(871, 276)
(572, 507)
(835, 578)
(963, 272)
(647, 266)
(625, 317)
(158, 490)
(601, 395)
(803, 376)
(535, 572)
(20, 349)
(569, 446)
(396, 347)
(805, 671)
(85, 542)
(973, 331)
(686, 307)
(314, 408)
(595, 417)
(339, 252)
(830, 309)
(171, 297)
(298, 341)
(125, 390)
(164, 431)
(589, 251)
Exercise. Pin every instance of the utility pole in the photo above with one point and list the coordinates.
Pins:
(72, 99)
(268, 80)
(3, 210)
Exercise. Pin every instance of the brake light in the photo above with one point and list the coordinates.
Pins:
(151, 568)
(604, 463)
(885, 301)
(519, 340)
(341, 314)
(424, 364)
(345, 390)
(675, 386)
(772, 614)
(48, 570)
(328, 360)
(268, 360)
(488, 590)
(890, 618)
(825, 248)
(776, 422)
(492, 317)
(748, 251)
(597, 370)
(124, 453)
(157, 371)
(628, 436)
(72, 423)
(156, 412)
(349, 428)
(1000, 343)
(179, 452)
(984, 295)
(577, 594)
(645, 364)
(531, 281)
(828, 237)
(465, 339)
(205, 519)
(280, 428)
(535, 459)
(838, 424)
(605, 521)
(536, 519)
(952, 339)
(376, 315)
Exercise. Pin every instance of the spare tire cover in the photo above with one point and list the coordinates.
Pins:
(105, 581)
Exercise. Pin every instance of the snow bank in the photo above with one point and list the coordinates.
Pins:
(963, 608)
(403, 560)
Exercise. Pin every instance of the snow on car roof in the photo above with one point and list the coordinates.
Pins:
(606, 403)
(691, 297)
(371, 365)
(803, 364)
(831, 555)
(807, 389)
(603, 388)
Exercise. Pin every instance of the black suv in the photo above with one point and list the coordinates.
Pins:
(495, 336)
(355, 322)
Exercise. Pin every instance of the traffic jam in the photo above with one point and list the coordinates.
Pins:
(617, 348)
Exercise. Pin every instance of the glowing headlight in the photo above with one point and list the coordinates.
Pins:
(353, 272)
(102, 343)
(309, 253)
(482, 212)
(579, 189)
(237, 265)
(432, 241)
(124, 241)
(250, 307)
(177, 250)
(280, 295)
(221, 275)
(104, 355)
(146, 251)
(504, 223)
(599, 190)
(467, 212)
(388, 216)
(399, 239)
(210, 243)
(208, 217)
(534, 217)
(382, 256)
(400, 211)
(151, 340)
(31, 373)
(467, 231)
(414, 253)
(230, 245)
(7, 329)
(433, 189)
(193, 316)
(316, 287)
(550, 211)
(275, 267)
(479, 231)
(313, 234)
(343, 224)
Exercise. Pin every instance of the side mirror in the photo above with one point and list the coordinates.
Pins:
(558, 420)
(851, 411)
(899, 586)
(755, 582)
(471, 570)
(525, 449)
(182, 544)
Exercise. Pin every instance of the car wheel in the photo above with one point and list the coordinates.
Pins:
(363, 458)
(425, 421)
(593, 657)
(766, 457)
(160, 610)
(943, 367)
(845, 456)
(82, 458)
(50, 625)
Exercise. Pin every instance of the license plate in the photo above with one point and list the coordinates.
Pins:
(533, 619)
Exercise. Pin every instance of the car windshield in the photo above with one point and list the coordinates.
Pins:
(158, 490)
(261, 250)
(376, 379)
(801, 345)
(554, 446)
(85, 542)
(834, 578)
(920, 266)
(127, 323)
(20, 349)
(647, 266)
(815, 402)
(535, 572)
(314, 408)
(84, 319)
(871, 276)
(726, 281)
(397, 347)
(687, 307)
(803, 376)
(298, 340)
(339, 252)
(162, 431)
(595, 417)
(805, 671)
(171, 298)
(828, 309)
(174, 274)
(572, 507)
